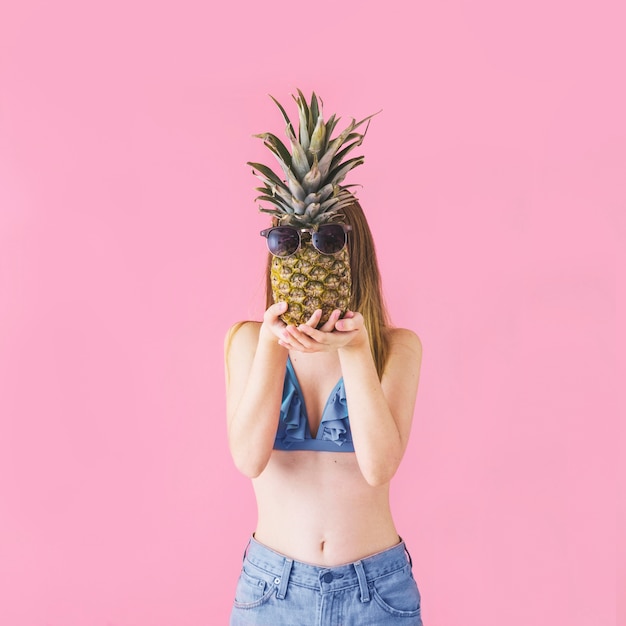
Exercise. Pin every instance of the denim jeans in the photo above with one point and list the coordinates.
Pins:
(274, 590)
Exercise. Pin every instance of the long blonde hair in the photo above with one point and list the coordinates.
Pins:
(366, 296)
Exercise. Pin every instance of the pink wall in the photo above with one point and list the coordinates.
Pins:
(494, 182)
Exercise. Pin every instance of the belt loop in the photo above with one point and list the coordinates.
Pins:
(409, 555)
(284, 579)
(407, 552)
(360, 574)
(245, 552)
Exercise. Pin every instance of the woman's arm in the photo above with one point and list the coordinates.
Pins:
(256, 358)
(381, 411)
(255, 365)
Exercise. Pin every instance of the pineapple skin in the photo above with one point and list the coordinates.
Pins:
(309, 280)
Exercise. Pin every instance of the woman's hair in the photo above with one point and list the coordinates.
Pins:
(366, 294)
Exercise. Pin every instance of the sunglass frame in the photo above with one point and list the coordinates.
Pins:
(345, 227)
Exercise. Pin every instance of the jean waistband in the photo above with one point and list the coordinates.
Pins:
(328, 578)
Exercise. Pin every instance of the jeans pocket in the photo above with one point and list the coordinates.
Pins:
(253, 588)
(398, 594)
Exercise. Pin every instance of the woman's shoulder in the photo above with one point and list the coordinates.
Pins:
(242, 334)
(247, 327)
(403, 337)
(404, 353)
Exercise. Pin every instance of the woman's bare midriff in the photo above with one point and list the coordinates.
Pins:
(316, 507)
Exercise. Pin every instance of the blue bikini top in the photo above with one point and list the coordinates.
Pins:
(294, 433)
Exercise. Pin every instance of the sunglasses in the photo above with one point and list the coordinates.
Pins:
(283, 241)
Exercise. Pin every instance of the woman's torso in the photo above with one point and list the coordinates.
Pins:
(315, 506)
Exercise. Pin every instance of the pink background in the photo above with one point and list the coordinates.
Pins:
(494, 183)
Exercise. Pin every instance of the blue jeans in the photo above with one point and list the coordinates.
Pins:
(274, 590)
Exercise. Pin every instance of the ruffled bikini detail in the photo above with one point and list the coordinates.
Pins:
(293, 428)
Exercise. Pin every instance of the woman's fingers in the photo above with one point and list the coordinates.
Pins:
(274, 311)
(312, 335)
(332, 320)
(271, 319)
(350, 321)
(298, 339)
(307, 338)
(314, 320)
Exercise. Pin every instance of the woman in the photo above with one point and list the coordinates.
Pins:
(325, 549)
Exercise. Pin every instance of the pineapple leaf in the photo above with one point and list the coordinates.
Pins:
(282, 110)
(352, 136)
(326, 191)
(298, 206)
(277, 147)
(312, 197)
(365, 119)
(360, 136)
(339, 173)
(333, 147)
(299, 159)
(283, 207)
(273, 212)
(301, 102)
(315, 111)
(312, 209)
(332, 205)
(267, 172)
(312, 179)
(304, 115)
(330, 127)
(318, 138)
(340, 156)
(294, 186)
(328, 204)
(283, 193)
(276, 201)
(303, 130)
(314, 165)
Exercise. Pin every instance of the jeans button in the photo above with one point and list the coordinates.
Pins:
(327, 577)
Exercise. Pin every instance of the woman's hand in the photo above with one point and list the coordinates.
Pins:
(334, 334)
(274, 328)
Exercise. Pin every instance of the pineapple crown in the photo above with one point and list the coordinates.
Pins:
(311, 193)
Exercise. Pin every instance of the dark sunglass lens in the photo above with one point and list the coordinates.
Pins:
(283, 241)
(329, 239)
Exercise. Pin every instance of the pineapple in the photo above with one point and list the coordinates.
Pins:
(308, 195)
